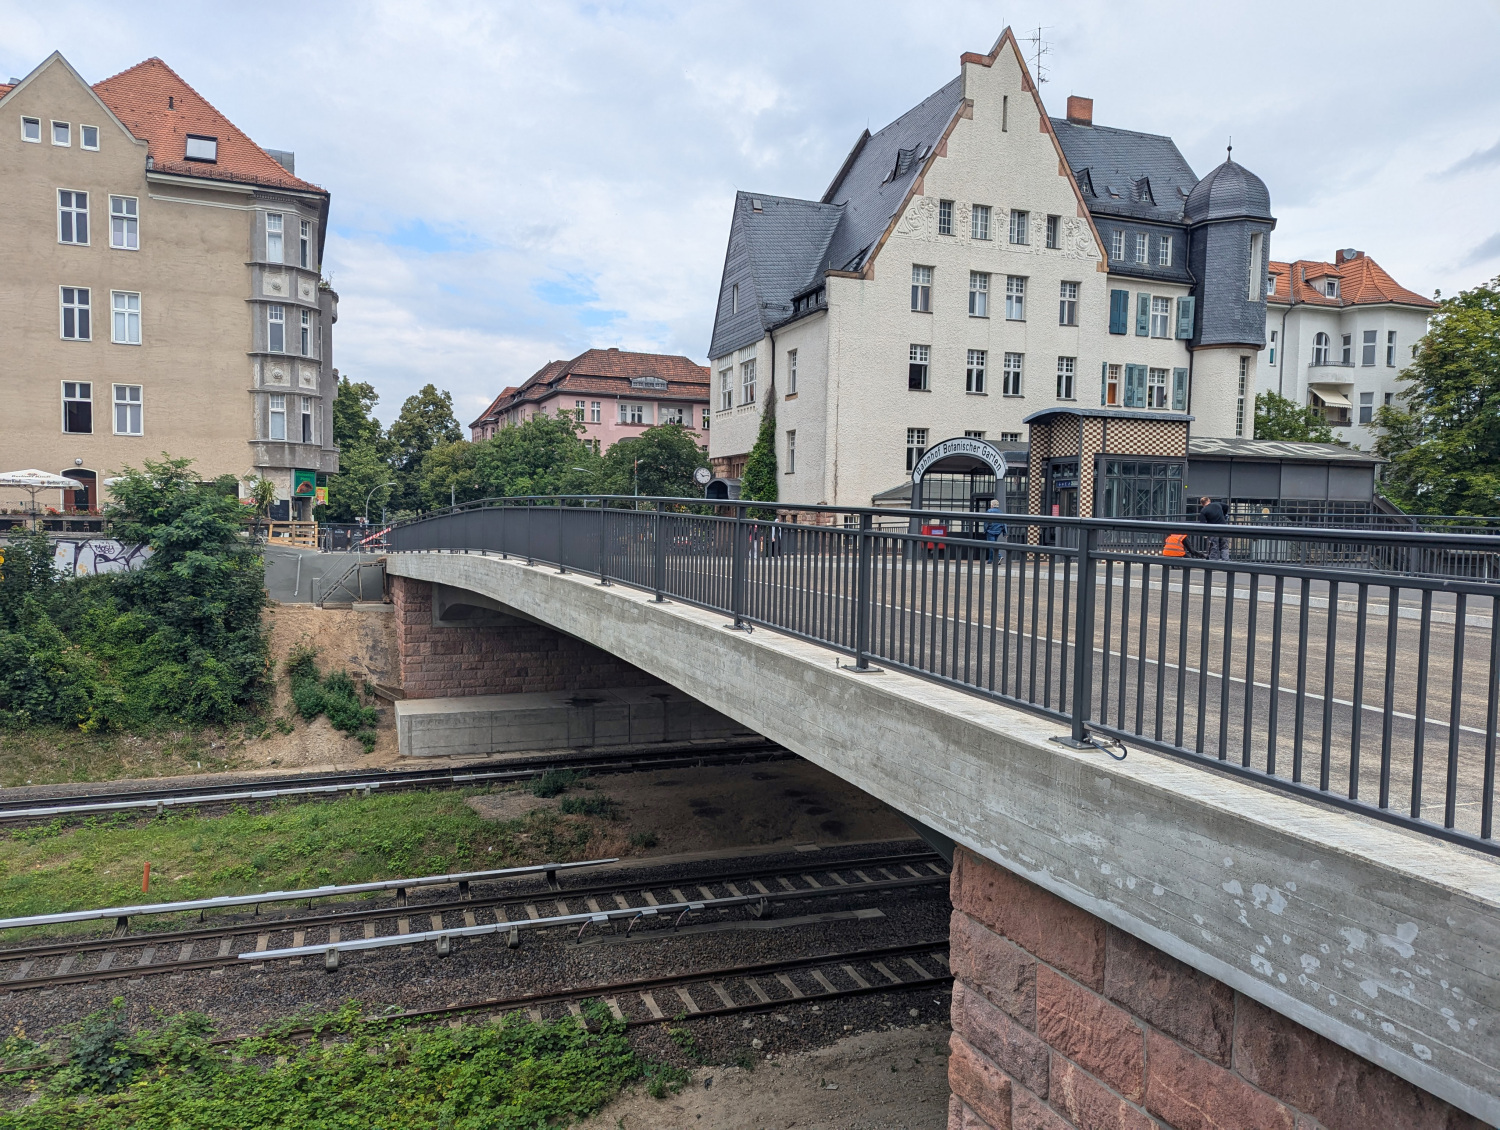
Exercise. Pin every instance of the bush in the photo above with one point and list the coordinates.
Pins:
(335, 696)
(554, 782)
(590, 806)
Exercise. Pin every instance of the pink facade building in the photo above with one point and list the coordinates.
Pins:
(616, 394)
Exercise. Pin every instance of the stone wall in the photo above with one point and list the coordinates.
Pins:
(439, 660)
(1062, 1020)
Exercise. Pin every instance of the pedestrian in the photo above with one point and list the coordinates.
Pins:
(994, 528)
(1213, 514)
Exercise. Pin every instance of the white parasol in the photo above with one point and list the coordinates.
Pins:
(32, 481)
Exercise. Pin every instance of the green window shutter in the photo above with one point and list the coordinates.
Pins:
(1119, 311)
(1104, 381)
(1185, 309)
(1142, 315)
(1179, 387)
(1135, 386)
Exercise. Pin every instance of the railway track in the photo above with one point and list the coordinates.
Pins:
(753, 891)
(311, 787)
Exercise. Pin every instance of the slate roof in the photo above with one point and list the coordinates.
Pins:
(1125, 173)
(1362, 282)
(605, 371)
(1229, 192)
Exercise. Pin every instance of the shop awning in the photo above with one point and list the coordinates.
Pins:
(1330, 395)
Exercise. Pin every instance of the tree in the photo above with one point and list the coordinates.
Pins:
(1444, 446)
(660, 461)
(759, 482)
(539, 456)
(426, 420)
(1276, 417)
(354, 424)
(450, 473)
(364, 455)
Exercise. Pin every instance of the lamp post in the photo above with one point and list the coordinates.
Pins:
(372, 495)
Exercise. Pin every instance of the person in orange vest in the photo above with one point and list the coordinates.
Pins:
(1177, 546)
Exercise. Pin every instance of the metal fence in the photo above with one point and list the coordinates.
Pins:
(1371, 688)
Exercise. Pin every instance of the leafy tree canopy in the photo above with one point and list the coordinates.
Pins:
(661, 459)
(426, 421)
(543, 455)
(1444, 446)
(760, 481)
(354, 422)
(450, 474)
(1276, 417)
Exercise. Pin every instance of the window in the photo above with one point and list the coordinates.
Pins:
(1067, 304)
(1331, 287)
(278, 417)
(791, 372)
(1320, 349)
(974, 373)
(72, 216)
(304, 244)
(88, 137)
(916, 446)
(921, 289)
(1066, 370)
(1140, 247)
(307, 333)
(918, 360)
(578, 407)
(945, 217)
(1256, 288)
(1010, 437)
(596, 413)
(1187, 306)
(1010, 374)
(1270, 284)
(979, 294)
(1161, 317)
(1239, 403)
(734, 299)
(1015, 298)
(1119, 311)
(1004, 113)
(273, 237)
(1271, 355)
(791, 453)
(633, 413)
(1145, 489)
(124, 223)
(1156, 388)
(979, 222)
(201, 148)
(128, 410)
(973, 435)
(276, 329)
(1346, 349)
(1111, 385)
(1020, 226)
(1164, 251)
(1117, 244)
(726, 389)
(1366, 407)
(1390, 349)
(62, 133)
(127, 317)
(31, 130)
(75, 313)
(1367, 348)
(1388, 399)
(705, 428)
(671, 414)
(307, 420)
(78, 407)
(1135, 386)
(1054, 223)
(1179, 390)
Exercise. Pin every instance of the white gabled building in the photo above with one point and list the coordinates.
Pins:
(972, 263)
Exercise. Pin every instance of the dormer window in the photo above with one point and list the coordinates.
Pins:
(1270, 284)
(200, 148)
(1331, 288)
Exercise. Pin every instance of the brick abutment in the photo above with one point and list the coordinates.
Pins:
(1062, 1020)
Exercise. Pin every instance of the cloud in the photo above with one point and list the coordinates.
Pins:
(1479, 159)
(1489, 249)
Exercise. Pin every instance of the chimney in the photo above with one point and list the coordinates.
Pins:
(1080, 110)
(1343, 256)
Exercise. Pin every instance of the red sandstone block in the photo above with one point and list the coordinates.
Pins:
(1086, 1028)
(1169, 995)
(1338, 1088)
(1001, 970)
(1193, 1093)
(979, 1083)
(1027, 1112)
(1085, 1101)
(1015, 1050)
(960, 1117)
(1055, 931)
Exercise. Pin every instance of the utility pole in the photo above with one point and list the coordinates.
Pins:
(1039, 49)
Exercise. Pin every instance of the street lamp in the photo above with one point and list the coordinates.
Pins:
(372, 495)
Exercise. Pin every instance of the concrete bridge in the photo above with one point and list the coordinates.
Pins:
(1132, 939)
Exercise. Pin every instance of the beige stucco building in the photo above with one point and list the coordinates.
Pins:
(162, 291)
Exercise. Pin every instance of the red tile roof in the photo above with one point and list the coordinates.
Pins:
(6, 88)
(140, 98)
(605, 371)
(1362, 282)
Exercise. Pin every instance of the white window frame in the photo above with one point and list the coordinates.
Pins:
(1067, 303)
(1255, 289)
(1161, 316)
(1271, 358)
(67, 142)
(1330, 288)
(308, 433)
(83, 138)
(1117, 245)
(1013, 375)
(1140, 247)
(279, 233)
(77, 398)
(791, 372)
(275, 320)
(37, 140)
(1054, 232)
(726, 389)
(127, 403)
(125, 214)
(306, 333)
(921, 289)
(124, 321)
(578, 409)
(1157, 383)
(1067, 378)
(747, 381)
(596, 412)
(916, 446)
(945, 217)
(276, 414)
(1346, 349)
(979, 294)
(304, 244)
(1164, 251)
(671, 414)
(975, 374)
(73, 210)
(1239, 404)
(979, 221)
(791, 451)
(1114, 378)
(86, 306)
(971, 434)
(632, 412)
(1010, 437)
(919, 355)
(1020, 227)
(1015, 298)
(1369, 344)
(1270, 284)
(1390, 349)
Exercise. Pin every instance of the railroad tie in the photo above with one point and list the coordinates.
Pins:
(147, 955)
(106, 961)
(334, 934)
(678, 896)
(184, 952)
(593, 904)
(469, 919)
(760, 994)
(760, 888)
(21, 970)
(436, 920)
(887, 873)
(532, 912)
(880, 968)
(687, 999)
(915, 874)
(837, 878)
(941, 959)
(622, 902)
(562, 907)
(935, 869)
(224, 945)
(651, 1004)
(66, 965)
(817, 976)
(920, 971)
(786, 884)
(649, 897)
(862, 877)
(790, 987)
(403, 925)
(613, 1005)
(369, 929)
(706, 893)
(535, 1014)
(299, 938)
(855, 977)
(718, 987)
(813, 883)
(735, 891)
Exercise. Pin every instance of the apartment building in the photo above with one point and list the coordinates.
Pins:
(614, 393)
(162, 292)
(976, 262)
(1340, 335)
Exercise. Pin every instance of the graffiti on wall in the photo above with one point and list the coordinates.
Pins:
(85, 556)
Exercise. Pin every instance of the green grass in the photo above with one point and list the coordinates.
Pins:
(49, 755)
(53, 868)
(514, 1074)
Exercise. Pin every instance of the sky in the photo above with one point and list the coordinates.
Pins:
(514, 183)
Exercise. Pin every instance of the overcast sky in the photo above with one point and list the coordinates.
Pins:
(514, 183)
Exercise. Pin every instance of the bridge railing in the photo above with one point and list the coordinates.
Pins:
(1324, 663)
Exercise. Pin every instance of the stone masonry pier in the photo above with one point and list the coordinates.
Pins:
(1135, 944)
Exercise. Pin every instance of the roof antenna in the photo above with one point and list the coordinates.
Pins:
(1039, 48)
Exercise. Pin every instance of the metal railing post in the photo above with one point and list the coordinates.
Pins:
(1083, 642)
(529, 509)
(862, 603)
(659, 544)
(739, 552)
(603, 556)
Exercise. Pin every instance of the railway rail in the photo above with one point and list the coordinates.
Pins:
(723, 893)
